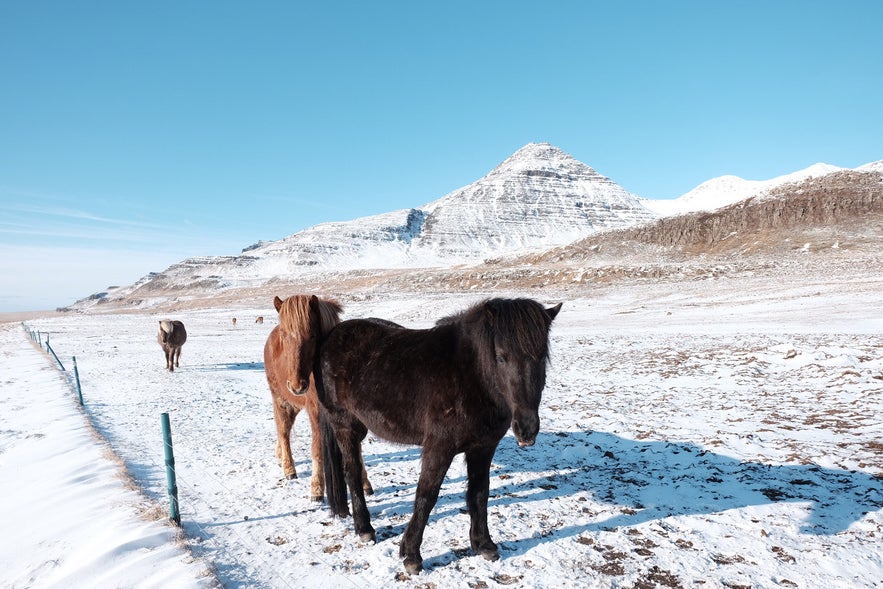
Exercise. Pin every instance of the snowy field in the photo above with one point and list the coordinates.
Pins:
(713, 435)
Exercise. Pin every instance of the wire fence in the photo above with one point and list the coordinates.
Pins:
(176, 482)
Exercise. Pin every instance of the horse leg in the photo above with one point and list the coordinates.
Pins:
(177, 352)
(478, 464)
(317, 480)
(366, 484)
(349, 439)
(170, 366)
(284, 415)
(432, 473)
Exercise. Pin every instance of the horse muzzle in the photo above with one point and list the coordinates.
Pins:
(526, 431)
(304, 387)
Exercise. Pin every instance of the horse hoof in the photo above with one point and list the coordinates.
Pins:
(491, 554)
(367, 537)
(368, 490)
(317, 498)
(413, 565)
(291, 476)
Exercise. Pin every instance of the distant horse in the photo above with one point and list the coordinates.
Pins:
(260, 319)
(288, 363)
(234, 322)
(454, 388)
(171, 338)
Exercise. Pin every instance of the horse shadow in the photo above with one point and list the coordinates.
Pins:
(645, 481)
(223, 367)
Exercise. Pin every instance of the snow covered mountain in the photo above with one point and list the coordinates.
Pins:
(539, 197)
(726, 190)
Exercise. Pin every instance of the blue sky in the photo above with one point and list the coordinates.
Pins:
(134, 135)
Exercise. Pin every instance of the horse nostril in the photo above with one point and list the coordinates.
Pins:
(304, 385)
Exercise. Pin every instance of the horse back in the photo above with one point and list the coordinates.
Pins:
(172, 332)
(404, 384)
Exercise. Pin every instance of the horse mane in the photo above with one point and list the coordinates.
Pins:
(295, 312)
(524, 323)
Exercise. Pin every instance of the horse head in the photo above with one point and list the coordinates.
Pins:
(519, 333)
(300, 321)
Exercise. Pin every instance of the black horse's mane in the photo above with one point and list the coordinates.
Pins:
(523, 323)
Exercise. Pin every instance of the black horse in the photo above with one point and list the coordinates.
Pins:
(454, 388)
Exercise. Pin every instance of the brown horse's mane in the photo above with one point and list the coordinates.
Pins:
(295, 313)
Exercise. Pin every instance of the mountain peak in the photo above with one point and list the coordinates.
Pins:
(541, 159)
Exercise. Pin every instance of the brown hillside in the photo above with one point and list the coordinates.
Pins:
(841, 206)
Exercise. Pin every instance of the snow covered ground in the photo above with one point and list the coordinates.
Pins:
(706, 435)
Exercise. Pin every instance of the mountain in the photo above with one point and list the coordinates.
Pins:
(726, 190)
(838, 211)
(537, 207)
(539, 197)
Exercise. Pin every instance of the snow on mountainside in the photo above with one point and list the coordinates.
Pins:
(871, 167)
(726, 190)
(538, 197)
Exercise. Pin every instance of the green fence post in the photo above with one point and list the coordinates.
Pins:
(77, 377)
(172, 484)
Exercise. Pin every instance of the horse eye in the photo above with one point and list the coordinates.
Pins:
(502, 357)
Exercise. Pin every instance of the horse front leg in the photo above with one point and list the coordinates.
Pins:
(366, 484)
(432, 473)
(317, 480)
(478, 465)
(284, 415)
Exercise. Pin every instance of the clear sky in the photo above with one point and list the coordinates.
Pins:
(136, 134)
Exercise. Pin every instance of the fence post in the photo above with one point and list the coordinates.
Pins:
(77, 377)
(48, 347)
(172, 484)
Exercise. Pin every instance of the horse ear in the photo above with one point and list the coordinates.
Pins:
(553, 312)
(277, 302)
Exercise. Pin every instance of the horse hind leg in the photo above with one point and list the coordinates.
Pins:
(349, 442)
(478, 464)
(432, 473)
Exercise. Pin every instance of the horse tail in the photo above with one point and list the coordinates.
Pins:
(332, 457)
(332, 460)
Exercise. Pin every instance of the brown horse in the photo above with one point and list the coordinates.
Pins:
(288, 363)
(260, 319)
(171, 338)
(455, 388)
